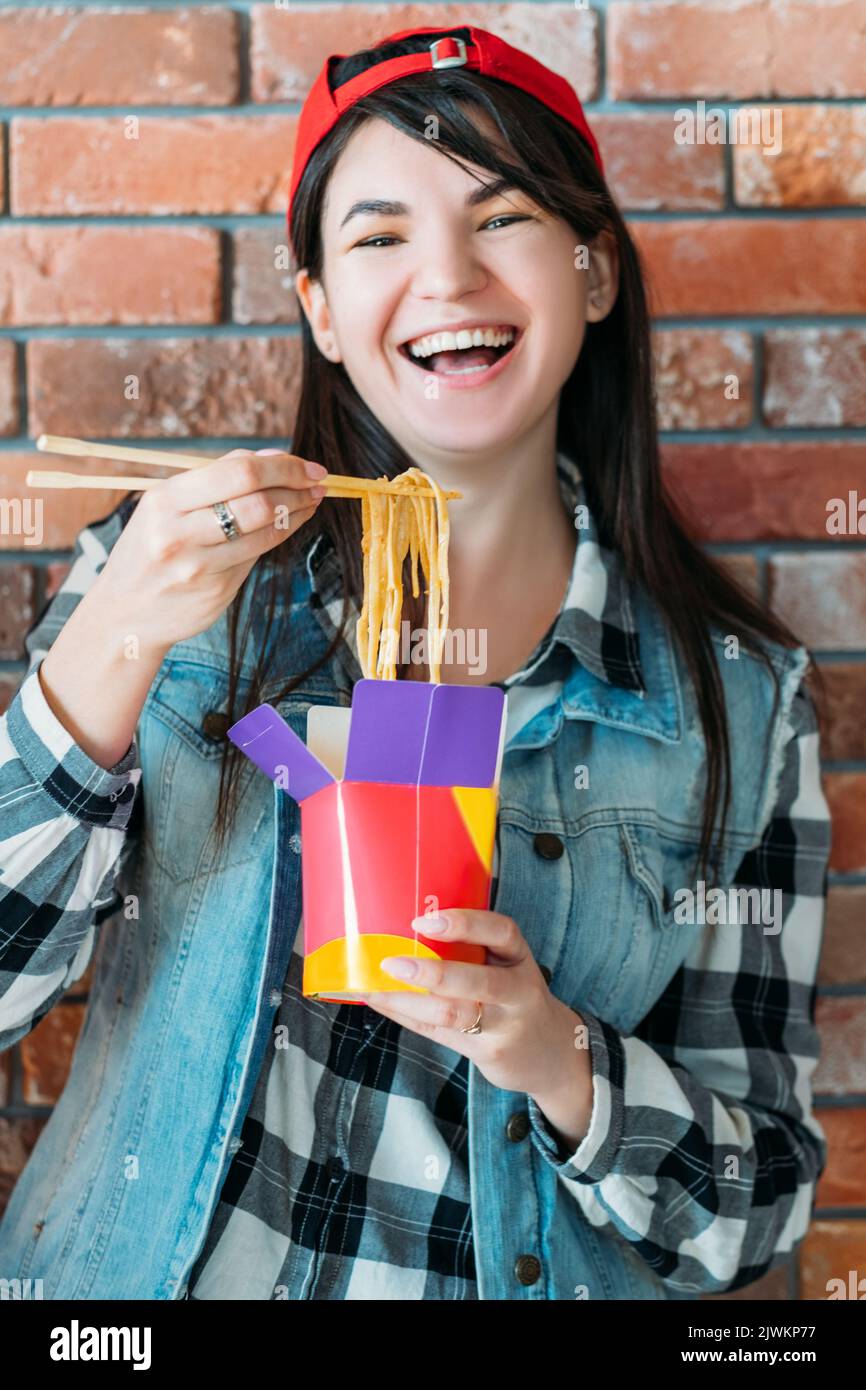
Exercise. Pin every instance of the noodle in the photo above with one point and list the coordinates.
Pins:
(392, 526)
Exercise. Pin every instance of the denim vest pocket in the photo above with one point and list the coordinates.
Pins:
(182, 735)
(656, 867)
(662, 865)
(582, 910)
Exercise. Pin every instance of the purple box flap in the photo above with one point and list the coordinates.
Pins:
(463, 736)
(386, 735)
(435, 735)
(268, 741)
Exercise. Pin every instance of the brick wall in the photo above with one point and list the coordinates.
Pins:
(145, 158)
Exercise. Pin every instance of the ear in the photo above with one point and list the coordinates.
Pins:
(315, 306)
(602, 277)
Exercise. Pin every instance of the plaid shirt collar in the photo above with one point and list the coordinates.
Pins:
(595, 622)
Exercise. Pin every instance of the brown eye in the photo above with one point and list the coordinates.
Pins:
(373, 240)
(508, 217)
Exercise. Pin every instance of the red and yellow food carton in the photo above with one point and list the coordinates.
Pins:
(408, 829)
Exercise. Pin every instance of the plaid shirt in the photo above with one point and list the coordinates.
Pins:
(350, 1179)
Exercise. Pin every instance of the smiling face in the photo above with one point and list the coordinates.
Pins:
(434, 252)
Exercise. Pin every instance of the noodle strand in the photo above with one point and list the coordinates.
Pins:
(394, 524)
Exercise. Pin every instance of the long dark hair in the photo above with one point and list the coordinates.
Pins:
(607, 419)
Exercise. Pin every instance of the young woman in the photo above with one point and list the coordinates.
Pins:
(617, 1104)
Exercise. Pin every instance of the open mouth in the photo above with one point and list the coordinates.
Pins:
(463, 361)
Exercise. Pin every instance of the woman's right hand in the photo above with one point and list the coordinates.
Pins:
(172, 572)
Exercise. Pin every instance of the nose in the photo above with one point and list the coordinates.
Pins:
(448, 265)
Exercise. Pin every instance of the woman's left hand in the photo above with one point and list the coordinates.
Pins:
(528, 1038)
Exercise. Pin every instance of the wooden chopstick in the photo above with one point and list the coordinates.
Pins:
(337, 484)
(122, 453)
(122, 482)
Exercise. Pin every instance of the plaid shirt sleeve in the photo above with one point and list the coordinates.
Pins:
(702, 1148)
(63, 820)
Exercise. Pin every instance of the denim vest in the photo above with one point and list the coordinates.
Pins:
(117, 1197)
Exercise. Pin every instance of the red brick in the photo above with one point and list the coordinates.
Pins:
(842, 1065)
(647, 170)
(46, 1053)
(262, 292)
(822, 597)
(17, 1138)
(9, 415)
(55, 574)
(754, 265)
(831, 1250)
(79, 57)
(73, 166)
(845, 693)
(289, 44)
(97, 275)
(17, 588)
(742, 568)
(846, 797)
(189, 386)
(64, 513)
(8, 686)
(822, 162)
(815, 377)
(749, 48)
(748, 491)
(844, 1180)
(843, 958)
(694, 367)
(773, 1287)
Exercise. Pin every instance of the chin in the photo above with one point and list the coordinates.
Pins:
(461, 441)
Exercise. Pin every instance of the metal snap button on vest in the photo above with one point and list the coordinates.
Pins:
(548, 846)
(215, 724)
(518, 1126)
(527, 1269)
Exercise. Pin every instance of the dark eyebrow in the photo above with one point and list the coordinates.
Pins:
(386, 208)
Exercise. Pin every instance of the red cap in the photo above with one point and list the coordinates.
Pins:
(481, 52)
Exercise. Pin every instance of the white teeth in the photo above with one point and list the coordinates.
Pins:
(465, 338)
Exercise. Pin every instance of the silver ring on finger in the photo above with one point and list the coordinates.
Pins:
(227, 520)
(476, 1026)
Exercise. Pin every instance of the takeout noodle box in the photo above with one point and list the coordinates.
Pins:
(398, 820)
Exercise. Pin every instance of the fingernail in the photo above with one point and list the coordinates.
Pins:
(318, 492)
(314, 470)
(400, 967)
(430, 926)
